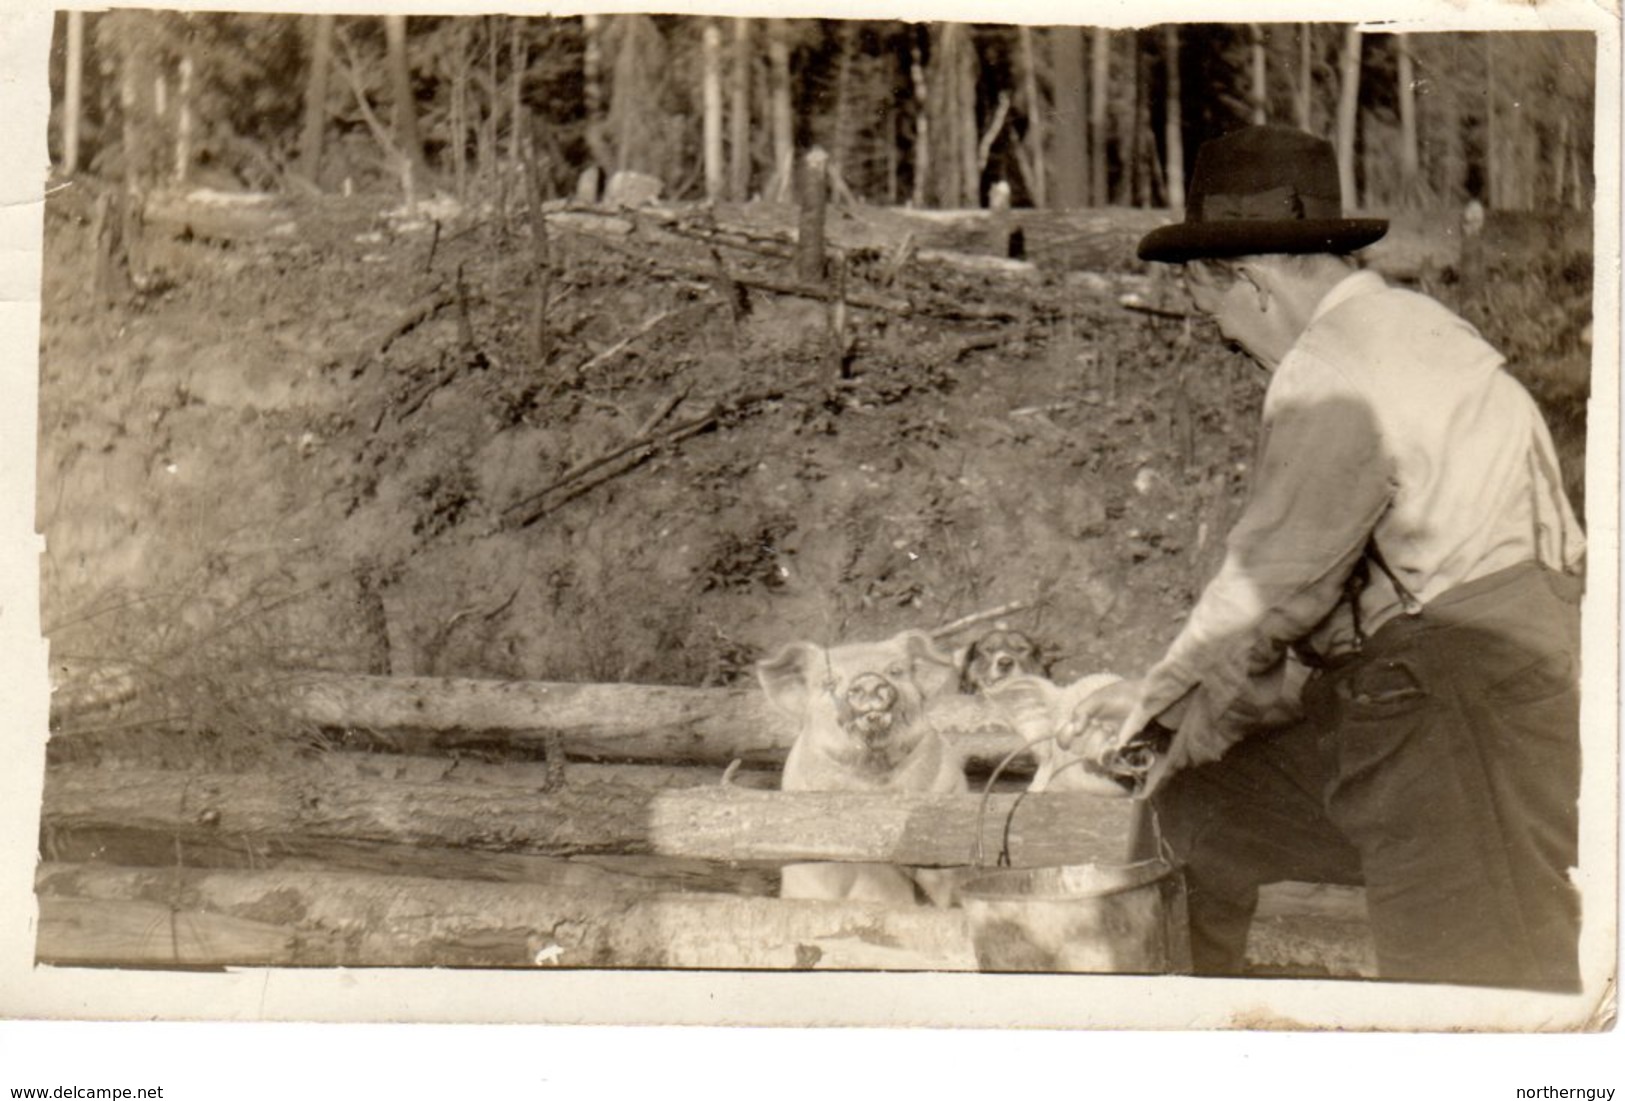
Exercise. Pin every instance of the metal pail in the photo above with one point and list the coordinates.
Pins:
(1126, 919)
(1099, 918)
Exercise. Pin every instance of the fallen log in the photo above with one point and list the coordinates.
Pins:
(109, 916)
(626, 874)
(125, 916)
(592, 816)
(606, 722)
(82, 932)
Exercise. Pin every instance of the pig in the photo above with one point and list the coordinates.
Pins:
(1038, 709)
(863, 724)
(1002, 652)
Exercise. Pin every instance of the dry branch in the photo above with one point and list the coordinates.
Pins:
(415, 315)
(641, 448)
(979, 617)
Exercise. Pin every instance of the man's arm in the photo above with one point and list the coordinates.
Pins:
(1322, 483)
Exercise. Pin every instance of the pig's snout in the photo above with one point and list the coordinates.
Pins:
(868, 706)
(871, 692)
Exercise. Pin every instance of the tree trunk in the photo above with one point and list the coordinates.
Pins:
(1099, 97)
(1260, 92)
(457, 123)
(963, 85)
(1145, 142)
(314, 137)
(739, 162)
(1124, 118)
(783, 120)
(1173, 123)
(1306, 77)
(132, 112)
(1071, 188)
(841, 143)
(73, 92)
(518, 62)
(711, 63)
(1348, 108)
(810, 238)
(1033, 108)
(403, 103)
(185, 117)
(1409, 160)
(924, 157)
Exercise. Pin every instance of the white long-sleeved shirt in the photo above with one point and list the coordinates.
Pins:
(1389, 418)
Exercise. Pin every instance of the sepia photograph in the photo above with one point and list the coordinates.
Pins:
(1083, 520)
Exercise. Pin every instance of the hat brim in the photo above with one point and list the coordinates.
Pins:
(1184, 241)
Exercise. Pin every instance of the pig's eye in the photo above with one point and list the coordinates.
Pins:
(897, 672)
(831, 685)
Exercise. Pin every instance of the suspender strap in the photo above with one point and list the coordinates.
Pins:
(1407, 598)
(1354, 587)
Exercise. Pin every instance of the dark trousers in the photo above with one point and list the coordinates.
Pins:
(1440, 767)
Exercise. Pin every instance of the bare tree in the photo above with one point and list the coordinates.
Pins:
(1173, 122)
(951, 113)
(1409, 160)
(1100, 56)
(711, 66)
(73, 92)
(1306, 76)
(923, 155)
(595, 102)
(783, 120)
(1033, 108)
(314, 137)
(403, 104)
(1348, 107)
(739, 113)
(185, 114)
(1260, 90)
(1071, 150)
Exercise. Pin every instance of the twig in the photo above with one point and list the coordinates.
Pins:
(1150, 311)
(984, 148)
(603, 357)
(434, 246)
(538, 232)
(977, 617)
(1052, 407)
(528, 511)
(420, 312)
(662, 411)
(465, 323)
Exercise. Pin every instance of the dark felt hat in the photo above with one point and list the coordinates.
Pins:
(1262, 190)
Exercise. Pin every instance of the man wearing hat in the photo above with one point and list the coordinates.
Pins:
(1380, 684)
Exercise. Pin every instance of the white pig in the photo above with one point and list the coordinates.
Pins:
(1038, 708)
(862, 725)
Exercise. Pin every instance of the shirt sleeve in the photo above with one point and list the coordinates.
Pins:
(1321, 483)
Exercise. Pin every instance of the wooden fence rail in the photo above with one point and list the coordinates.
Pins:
(667, 724)
(596, 815)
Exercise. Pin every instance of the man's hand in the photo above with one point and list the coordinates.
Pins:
(1098, 718)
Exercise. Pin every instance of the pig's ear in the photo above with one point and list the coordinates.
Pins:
(935, 670)
(1027, 703)
(785, 676)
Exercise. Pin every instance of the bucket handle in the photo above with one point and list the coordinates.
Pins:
(978, 851)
